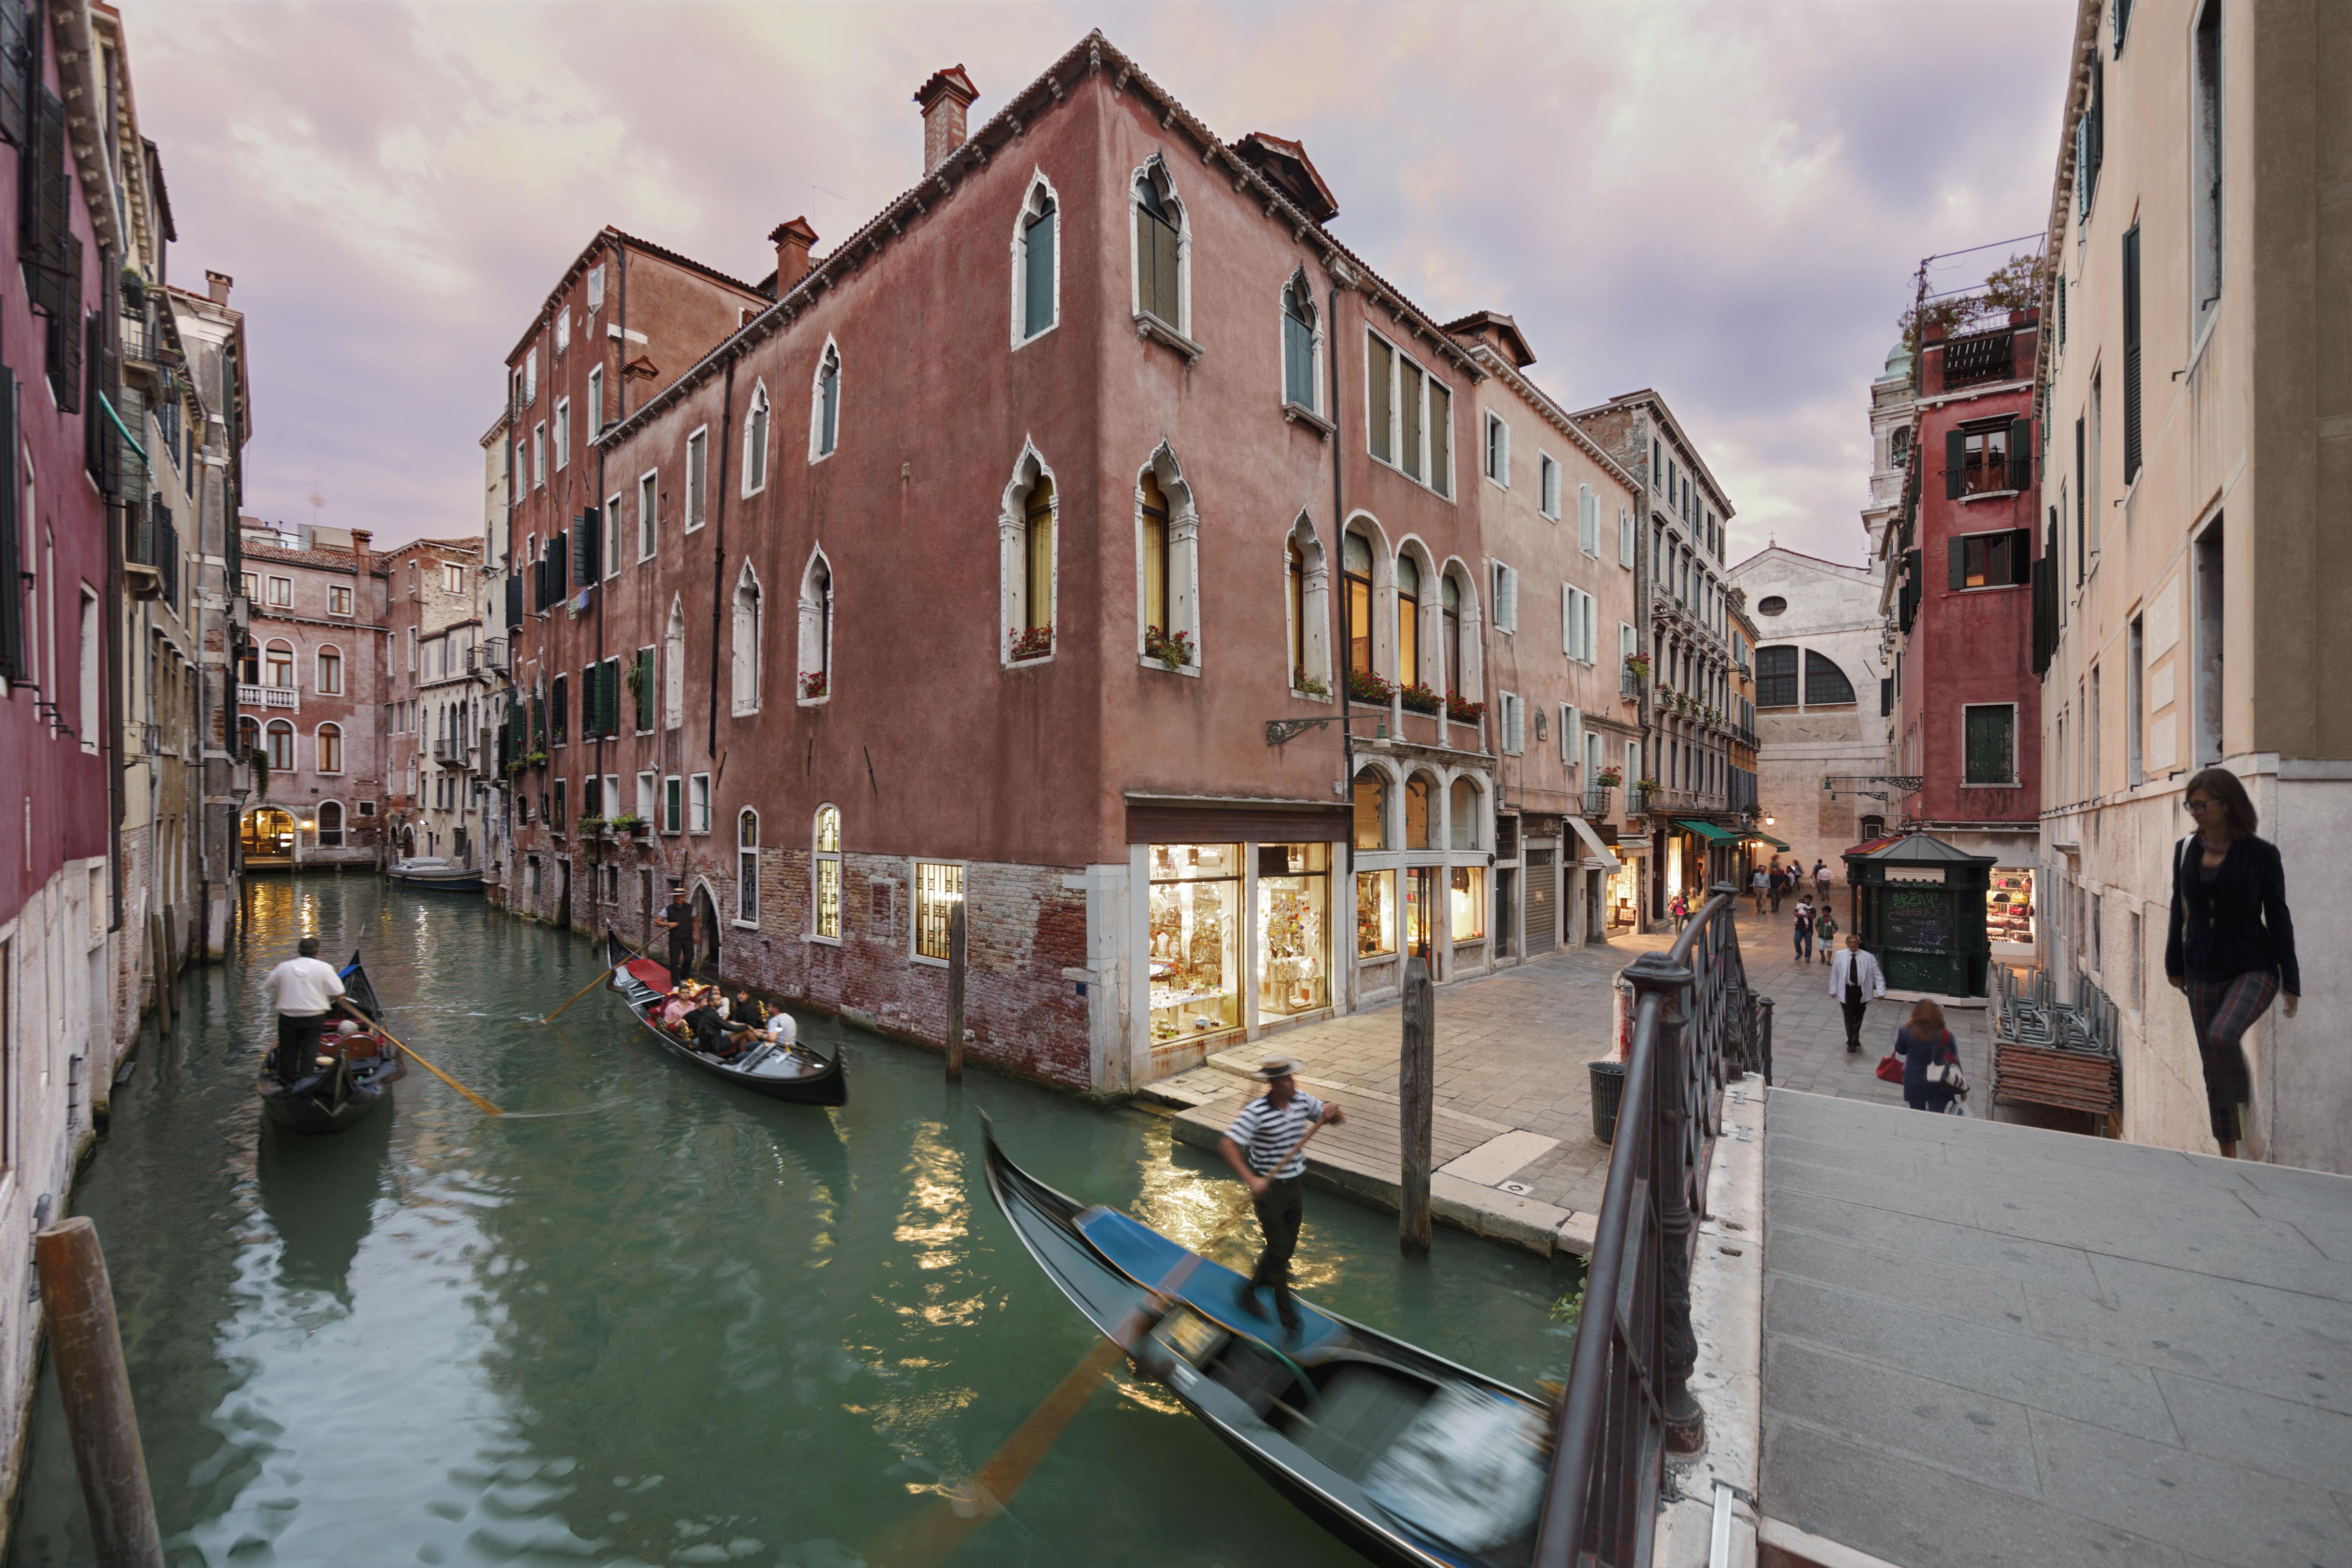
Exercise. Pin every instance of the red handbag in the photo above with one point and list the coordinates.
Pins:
(1890, 1068)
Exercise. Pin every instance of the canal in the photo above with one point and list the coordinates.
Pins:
(644, 1318)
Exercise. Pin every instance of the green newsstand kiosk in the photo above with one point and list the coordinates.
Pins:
(1919, 905)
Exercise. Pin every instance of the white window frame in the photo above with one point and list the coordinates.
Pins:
(820, 857)
(1588, 521)
(698, 803)
(89, 667)
(1511, 725)
(319, 753)
(1022, 337)
(562, 329)
(1495, 451)
(562, 432)
(1315, 351)
(648, 513)
(530, 375)
(1183, 559)
(746, 881)
(613, 535)
(824, 444)
(813, 645)
(1571, 735)
(333, 609)
(673, 665)
(1183, 327)
(744, 691)
(318, 669)
(595, 401)
(1547, 485)
(1503, 582)
(648, 795)
(915, 907)
(453, 577)
(539, 455)
(596, 288)
(698, 485)
(282, 594)
(759, 422)
(1400, 365)
(1013, 558)
(673, 804)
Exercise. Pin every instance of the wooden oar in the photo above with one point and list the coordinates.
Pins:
(941, 1530)
(436, 1072)
(606, 975)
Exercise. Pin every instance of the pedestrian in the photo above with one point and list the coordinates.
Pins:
(305, 993)
(2229, 945)
(1821, 879)
(1855, 981)
(1803, 925)
(1826, 930)
(1758, 884)
(1263, 1146)
(1923, 1043)
(677, 919)
(1780, 884)
(1680, 909)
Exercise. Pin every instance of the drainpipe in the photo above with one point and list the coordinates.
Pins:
(719, 561)
(1341, 667)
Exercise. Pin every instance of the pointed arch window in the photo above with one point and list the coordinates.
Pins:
(1356, 588)
(673, 668)
(1155, 554)
(825, 885)
(816, 630)
(1036, 276)
(1300, 364)
(755, 441)
(1307, 582)
(746, 868)
(1161, 248)
(747, 642)
(1297, 575)
(824, 408)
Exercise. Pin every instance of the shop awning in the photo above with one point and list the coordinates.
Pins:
(1772, 841)
(1593, 848)
(1708, 831)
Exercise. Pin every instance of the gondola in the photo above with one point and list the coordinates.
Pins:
(335, 1099)
(1410, 1459)
(797, 1075)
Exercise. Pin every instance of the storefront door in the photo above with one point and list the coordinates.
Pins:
(1423, 904)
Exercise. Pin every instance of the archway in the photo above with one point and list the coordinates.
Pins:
(268, 831)
(706, 926)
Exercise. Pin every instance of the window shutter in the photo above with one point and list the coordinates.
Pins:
(1507, 607)
(1567, 620)
(1956, 462)
(1959, 564)
(15, 73)
(609, 674)
(644, 688)
(2020, 556)
(2131, 355)
(514, 601)
(1886, 696)
(1572, 734)
(2020, 454)
(101, 446)
(12, 587)
(66, 333)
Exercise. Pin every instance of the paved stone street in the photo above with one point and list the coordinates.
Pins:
(1514, 1098)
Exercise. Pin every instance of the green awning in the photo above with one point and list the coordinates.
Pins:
(1772, 841)
(1708, 831)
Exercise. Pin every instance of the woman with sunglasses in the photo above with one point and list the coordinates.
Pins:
(2231, 944)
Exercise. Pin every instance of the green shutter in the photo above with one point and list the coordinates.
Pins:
(1958, 574)
(2020, 454)
(644, 688)
(1956, 461)
(1038, 275)
(12, 600)
(2131, 355)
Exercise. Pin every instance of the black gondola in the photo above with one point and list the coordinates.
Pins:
(342, 1096)
(797, 1075)
(1409, 1459)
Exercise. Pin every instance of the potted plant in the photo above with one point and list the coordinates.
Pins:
(1364, 686)
(1306, 685)
(589, 823)
(1639, 664)
(1172, 649)
(813, 684)
(628, 823)
(1608, 778)
(536, 759)
(1464, 712)
(1418, 698)
(1035, 643)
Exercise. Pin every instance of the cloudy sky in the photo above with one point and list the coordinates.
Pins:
(1724, 201)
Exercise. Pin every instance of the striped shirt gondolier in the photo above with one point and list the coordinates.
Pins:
(1267, 1132)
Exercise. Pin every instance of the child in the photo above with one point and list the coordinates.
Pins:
(1825, 931)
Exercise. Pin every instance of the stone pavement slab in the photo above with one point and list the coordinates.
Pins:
(1992, 1343)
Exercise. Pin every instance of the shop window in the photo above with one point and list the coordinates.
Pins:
(1375, 913)
(939, 889)
(1418, 791)
(1196, 939)
(1466, 903)
(2008, 908)
(827, 879)
(1466, 815)
(1371, 809)
(1294, 904)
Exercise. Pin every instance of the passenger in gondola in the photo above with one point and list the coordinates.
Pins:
(714, 1035)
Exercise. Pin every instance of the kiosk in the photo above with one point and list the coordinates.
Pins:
(1919, 905)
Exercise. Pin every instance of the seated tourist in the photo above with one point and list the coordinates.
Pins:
(714, 1035)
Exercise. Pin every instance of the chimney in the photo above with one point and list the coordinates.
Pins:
(943, 101)
(792, 239)
(359, 536)
(217, 285)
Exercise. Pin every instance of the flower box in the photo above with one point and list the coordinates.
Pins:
(1308, 685)
(1418, 699)
(1610, 778)
(1035, 642)
(1364, 686)
(629, 823)
(1174, 651)
(1464, 712)
(815, 684)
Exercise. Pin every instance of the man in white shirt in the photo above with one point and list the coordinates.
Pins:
(1758, 884)
(1263, 1146)
(304, 993)
(1855, 982)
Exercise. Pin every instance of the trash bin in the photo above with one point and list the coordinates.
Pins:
(1608, 1094)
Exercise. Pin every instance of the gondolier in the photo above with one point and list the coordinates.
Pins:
(1264, 1147)
(304, 994)
(677, 919)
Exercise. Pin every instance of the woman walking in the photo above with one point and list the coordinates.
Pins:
(1925, 1043)
(1680, 909)
(2229, 946)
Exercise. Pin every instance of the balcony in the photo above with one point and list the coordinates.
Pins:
(1596, 802)
(1979, 357)
(487, 658)
(1639, 801)
(287, 697)
(1628, 681)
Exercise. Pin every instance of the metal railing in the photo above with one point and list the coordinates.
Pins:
(1596, 802)
(1628, 1402)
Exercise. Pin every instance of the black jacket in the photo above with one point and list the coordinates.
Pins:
(2237, 923)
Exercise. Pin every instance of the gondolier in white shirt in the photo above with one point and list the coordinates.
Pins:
(305, 993)
(1266, 1148)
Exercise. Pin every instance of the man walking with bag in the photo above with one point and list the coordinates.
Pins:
(1855, 982)
(1266, 1148)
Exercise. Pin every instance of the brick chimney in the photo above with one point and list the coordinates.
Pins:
(792, 239)
(944, 99)
(361, 537)
(217, 285)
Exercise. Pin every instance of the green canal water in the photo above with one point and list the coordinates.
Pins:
(644, 1318)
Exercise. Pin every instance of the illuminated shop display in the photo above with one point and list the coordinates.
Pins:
(1196, 893)
(1468, 903)
(2009, 907)
(1294, 944)
(1375, 913)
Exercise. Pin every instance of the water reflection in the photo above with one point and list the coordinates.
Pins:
(643, 1319)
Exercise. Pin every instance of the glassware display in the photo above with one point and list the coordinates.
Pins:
(1294, 944)
(1468, 903)
(2009, 908)
(1196, 939)
(1375, 914)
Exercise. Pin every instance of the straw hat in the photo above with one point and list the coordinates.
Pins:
(1276, 1067)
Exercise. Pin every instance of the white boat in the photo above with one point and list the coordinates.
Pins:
(434, 871)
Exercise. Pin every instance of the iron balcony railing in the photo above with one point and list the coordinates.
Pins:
(1628, 681)
(1628, 1402)
(1596, 802)
(1638, 800)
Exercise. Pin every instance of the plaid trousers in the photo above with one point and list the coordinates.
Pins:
(2223, 1010)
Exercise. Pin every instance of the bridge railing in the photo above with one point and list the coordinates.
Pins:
(1696, 1024)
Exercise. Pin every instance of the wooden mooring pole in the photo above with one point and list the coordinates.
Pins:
(1417, 1103)
(955, 992)
(96, 1392)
